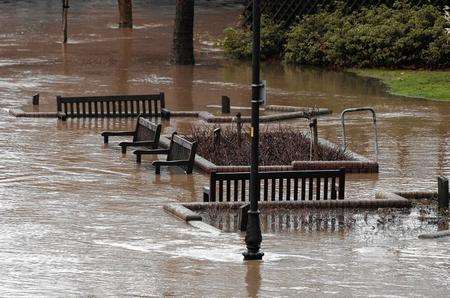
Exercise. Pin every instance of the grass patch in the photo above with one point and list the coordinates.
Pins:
(421, 83)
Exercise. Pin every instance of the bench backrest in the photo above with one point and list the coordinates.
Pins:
(279, 186)
(111, 106)
(146, 130)
(181, 149)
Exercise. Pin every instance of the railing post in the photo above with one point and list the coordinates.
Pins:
(314, 139)
(217, 137)
(342, 184)
(443, 193)
(239, 128)
(226, 105)
(58, 103)
(212, 187)
(243, 217)
(163, 100)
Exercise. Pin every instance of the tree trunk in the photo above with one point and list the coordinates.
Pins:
(126, 13)
(183, 43)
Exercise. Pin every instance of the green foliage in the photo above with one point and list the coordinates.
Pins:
(402, 36)
(237, 42)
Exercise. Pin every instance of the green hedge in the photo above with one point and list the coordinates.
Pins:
(379, 37)
(237, 42)
(398, 37)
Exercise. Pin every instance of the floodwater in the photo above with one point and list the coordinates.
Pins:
(77, 219)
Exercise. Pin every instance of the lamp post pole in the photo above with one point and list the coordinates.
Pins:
(253, 237)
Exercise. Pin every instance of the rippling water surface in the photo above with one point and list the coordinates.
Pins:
(77, 219)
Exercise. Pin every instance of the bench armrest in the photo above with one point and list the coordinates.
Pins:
(124, 145)
(151, 151)
(145, 143)
(159, 163)
(170, 162)
(107, 134)
(139, 153)
(118, 133)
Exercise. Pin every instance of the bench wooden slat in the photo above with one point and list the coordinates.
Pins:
(235, 191)
(333, 188)
(266, 189)
(90, 108)
(221, 190)
(318, 182)
(272, 190)
(303, 189)
(280, 189)
(288, 189)
(295, 189)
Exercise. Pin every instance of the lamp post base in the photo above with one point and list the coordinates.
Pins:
(253, 238)
(250, 256)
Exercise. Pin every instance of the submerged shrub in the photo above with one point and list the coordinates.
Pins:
(279, 145)
(402, 36)
(237, 42)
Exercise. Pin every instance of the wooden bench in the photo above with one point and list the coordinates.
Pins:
(111, 106)
(146, 134)
(181, 153)
(277, 186)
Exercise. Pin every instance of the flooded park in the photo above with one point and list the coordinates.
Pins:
(78, 218)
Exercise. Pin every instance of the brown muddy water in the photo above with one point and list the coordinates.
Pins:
(77, 219)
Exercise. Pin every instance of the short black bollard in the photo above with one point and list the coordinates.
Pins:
(243, 217)
(443, 195)
(226, 105)
(36, 99)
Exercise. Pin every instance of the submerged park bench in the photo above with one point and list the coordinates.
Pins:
(278, 186)
(181, 153)
(146, 134)
(152, 105)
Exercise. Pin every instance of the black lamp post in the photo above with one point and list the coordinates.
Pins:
(253, 236)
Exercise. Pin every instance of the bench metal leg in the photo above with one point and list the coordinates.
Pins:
(124, 149)
(105, 139)
(157, 170)
(138, 158)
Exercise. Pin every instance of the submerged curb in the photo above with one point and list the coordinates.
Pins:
(368, 203)
(21, 114)
(440, 234)
(182, 212)
(192, 218)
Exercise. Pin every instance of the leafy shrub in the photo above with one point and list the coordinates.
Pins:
(237, 42)
(402, 36)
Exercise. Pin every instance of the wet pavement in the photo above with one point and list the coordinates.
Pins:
(78, 219)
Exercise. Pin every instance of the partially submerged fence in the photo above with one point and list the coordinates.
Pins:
(278, 186)
(151, 105)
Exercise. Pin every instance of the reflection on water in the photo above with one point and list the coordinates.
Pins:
(78, 218)
(253, 278)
